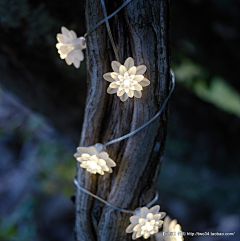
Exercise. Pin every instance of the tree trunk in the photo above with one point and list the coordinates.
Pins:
(141, 31)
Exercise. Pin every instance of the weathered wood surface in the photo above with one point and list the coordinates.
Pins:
(140, 31)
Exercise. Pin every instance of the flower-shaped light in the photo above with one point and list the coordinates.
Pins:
(127, 80)
(172, 231)
(70, 47)
(145, 222)
(95, 159)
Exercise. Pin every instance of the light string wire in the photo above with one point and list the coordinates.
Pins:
(109, 204)
(110, 16)
(154, 118)
(109, 30)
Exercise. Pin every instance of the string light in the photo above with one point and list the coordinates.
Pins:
(70, 47)
(145, 222)
(126, 80)
(95, 159)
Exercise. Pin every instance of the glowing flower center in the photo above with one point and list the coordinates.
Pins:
(148, 226)
(126, 79)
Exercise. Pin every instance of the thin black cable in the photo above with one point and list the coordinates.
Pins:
(110, 16)
(109, 30)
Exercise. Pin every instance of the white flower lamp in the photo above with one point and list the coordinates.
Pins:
(70, 47)
(126, 80)
(145, 222)
(95, 159)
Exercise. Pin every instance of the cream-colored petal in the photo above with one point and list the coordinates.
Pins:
(101, 162)
(120, 92)
(114, 75)
(82, 149)
(66, 32)
(150, 217)
(144, 82)
(76, 60)
(129, 229)
(141, 69)
(155, 209)
(73, 34)
(115, 66)
(146, 235)
(138, 78)
(137, 94)
(105, 168)
(70, 57)
(86, 156)
(163, 214)
(134, 219)
(103, 155)
(80, 159)
(132, 71)
(110, 162)
(138, 87)
(122, 70)
(111, 90)
(134, 235)
(129, 63)
(76, 155)
(108, 77)
(130, 93)
(137, 227)
(92, 150)
(124, 97)
(110, 170)
(113, 85)
(139, 234)
(142, 221)
(65, 49)
(126, 89)
(144, 212)
(63, 39)
(172, 225)
(58, 45)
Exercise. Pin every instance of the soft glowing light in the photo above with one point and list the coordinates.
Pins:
(145, 222)
(172, 231)
(70, 47)
(126, 80)
(95, 159)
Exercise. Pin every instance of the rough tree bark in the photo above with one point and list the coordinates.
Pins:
(141, 31)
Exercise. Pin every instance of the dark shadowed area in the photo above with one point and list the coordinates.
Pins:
(41, 111)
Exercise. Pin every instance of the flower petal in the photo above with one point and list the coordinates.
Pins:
(65, 49)
(82, 150)
(63, 39)
(134, 219)
(120, 92)
(108, 77)
(103, 155)
(80, 159)
(132, 71)
(137, 94)
(137, 227)
(144, 212)
(113, 85)
(122, 70)
(115, 66)
(85, 156)
(139, 234)
(134, 235)
(73, 34)
(111, 90)
(155, 209)
(130, 93)
(138, 87)
(124, 97)
(142, 221)
(141, 69)
(66, 32)
(110, 162)
(110, 170)
(114, 75)
(92, 150)
(70, 57)
(138, 78)
(150, 217)
(129, 229)
(129, 63)
(105, 168)
(146, 235)
(144, 82)
(172, 224)
(77, 58)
